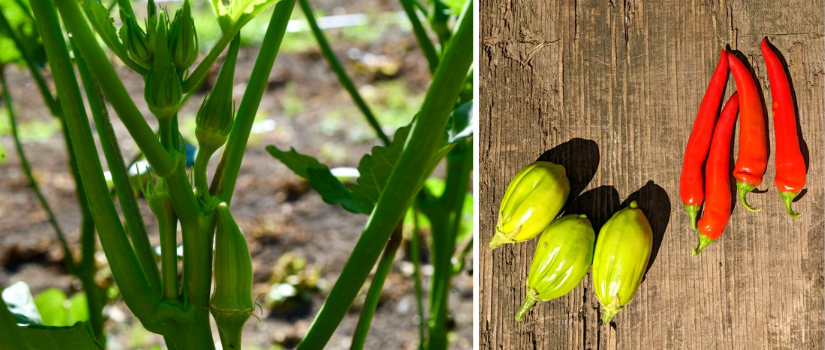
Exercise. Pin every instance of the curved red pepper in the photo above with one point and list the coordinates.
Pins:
(790, 165)
(691, 187)
(717, 175)
(753, 155)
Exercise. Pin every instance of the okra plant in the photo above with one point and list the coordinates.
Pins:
(164, 51)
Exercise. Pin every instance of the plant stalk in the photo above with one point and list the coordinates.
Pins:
(223, 183)
(420, 147)
(374, 293)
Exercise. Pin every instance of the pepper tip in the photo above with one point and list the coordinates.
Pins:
(703, 242)
(693, 212)
(743, 188)
(787, 198)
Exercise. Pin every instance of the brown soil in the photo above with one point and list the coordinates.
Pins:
(269, 200)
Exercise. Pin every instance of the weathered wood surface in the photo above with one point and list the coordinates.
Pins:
(627, 77)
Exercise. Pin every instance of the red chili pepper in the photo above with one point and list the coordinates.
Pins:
(790, 165)
(753, 155)
(717, 174)
(691, 187)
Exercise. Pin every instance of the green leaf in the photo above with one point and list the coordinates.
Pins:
(232, 17)
(321, 179)
(332, 191)
(50, 302)
(461, 123)
(78, 308)
(77, 337)
(455, 5)
(295, 161)
(19, 301)
(104, 26)
(375, 168)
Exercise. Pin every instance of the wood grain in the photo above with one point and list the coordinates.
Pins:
(611, 90)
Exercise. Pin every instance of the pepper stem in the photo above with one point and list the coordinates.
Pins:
(703, 242)
(530, 300)
(787, 197)
(611, 310)
(693, 212)
(743, 188)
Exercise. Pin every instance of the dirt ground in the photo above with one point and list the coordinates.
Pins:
(274, 208)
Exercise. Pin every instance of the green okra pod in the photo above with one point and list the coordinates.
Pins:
(231, 303)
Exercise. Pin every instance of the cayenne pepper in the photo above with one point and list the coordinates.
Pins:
(753, 157)
(717, 173)
(691, 186)
(790, 165)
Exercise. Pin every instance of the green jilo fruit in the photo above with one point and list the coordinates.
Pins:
(562, 258)
(620, 260)
(231, 303)
(531, 202)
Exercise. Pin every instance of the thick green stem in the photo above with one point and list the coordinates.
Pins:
(132, 282)
(104, 74)
(340, 72)
(223, 183)
(421, 34)
(415, 256)
(24, 163)
(422, 143)
(446, 223)
(374, 293)
(120, 177)
(787, 198)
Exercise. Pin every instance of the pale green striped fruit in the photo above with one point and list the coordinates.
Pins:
(620, 260)
(563, 256)
(532, 201)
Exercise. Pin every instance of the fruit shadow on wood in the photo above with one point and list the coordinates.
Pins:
(580, 158)
(654, 202)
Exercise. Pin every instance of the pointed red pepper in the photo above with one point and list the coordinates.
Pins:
(717, 175)
(691, 186)
(753, 155)
(790, 165)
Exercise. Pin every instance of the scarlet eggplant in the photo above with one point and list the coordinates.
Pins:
(691, 187)
(753, 154)
(531, 202)
(717, 172)
(562, 258)
(790, 165)
(619, 263)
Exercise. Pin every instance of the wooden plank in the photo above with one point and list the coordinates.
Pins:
(626, 79)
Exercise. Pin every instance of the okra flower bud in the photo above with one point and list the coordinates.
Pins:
(562, 258)
(620, 260)
(163, 91)
(183, 39)
(231, 303)
(136, 41)
(531, 202)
